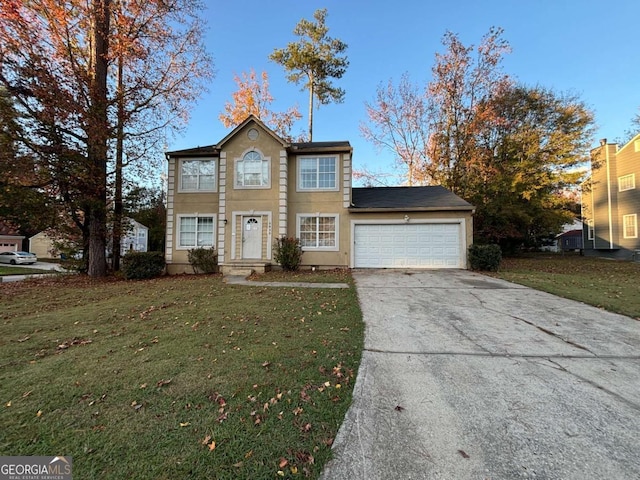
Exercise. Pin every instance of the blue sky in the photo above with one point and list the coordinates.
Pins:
(586, 47)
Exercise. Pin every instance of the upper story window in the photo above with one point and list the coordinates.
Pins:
(252, 170)
(318, 173)
(627, 182)
(197, 175)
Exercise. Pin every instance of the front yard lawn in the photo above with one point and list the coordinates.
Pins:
(180, 377)
(609, 284)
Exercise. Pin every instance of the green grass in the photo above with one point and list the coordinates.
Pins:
(608, 284)
(138, 379)
(7, 270)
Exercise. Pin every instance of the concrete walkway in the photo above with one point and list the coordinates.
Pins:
(241, 280)
(468, 377)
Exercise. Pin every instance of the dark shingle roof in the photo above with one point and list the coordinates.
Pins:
(399, 198)
(208, 150)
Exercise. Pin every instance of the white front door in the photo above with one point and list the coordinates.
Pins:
(251, 237)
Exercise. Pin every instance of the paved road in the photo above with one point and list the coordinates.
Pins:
(468, 377)
(46, 267)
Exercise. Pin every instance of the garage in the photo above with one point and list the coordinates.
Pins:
(408, 245)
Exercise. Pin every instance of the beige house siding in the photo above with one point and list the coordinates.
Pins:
(605, 205)
(279, 204)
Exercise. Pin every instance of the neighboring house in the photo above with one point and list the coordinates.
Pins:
(570, 240)
(611, 201)
(566, 240)
(240, 195)
(42, 245)
(135, 238)
(10, 241)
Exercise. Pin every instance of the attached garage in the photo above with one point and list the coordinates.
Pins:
(409, 227)
(408, 245)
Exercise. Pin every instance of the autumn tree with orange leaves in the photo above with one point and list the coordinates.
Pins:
(508, 149)
(253, 98)
(87, 76)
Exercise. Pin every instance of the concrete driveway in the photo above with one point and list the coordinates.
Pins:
(468, 377)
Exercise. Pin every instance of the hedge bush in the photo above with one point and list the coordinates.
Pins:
(203, 260)
(485, 257)
(141, 265)
(288, 253)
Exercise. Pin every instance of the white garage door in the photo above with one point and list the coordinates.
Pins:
(413, 245)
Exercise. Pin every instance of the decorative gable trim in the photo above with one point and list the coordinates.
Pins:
(283, 182)
(171, 188)
(222, 205)
(346, 180)
(256, 120)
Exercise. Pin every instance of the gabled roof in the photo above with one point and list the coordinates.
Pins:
(248, 120)
(570, 233)
(296, 147)
(195, 152)
(630, 142)
(406, 198)
(310, 147)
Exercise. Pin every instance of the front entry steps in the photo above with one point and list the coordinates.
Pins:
(244, 269)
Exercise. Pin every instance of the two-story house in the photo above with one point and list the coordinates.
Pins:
(611, 201)
(241, 194)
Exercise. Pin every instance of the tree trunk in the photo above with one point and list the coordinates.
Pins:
(117, 200)
(97, 138)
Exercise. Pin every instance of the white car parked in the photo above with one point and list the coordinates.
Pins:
(18, 258)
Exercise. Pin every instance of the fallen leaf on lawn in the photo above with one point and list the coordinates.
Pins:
(8, 404)
(237, 465)
(283, 462)
(297, 411)
(206, 440)
(185, 424)
(463, 453)
(280, 473)
(399, 408)
(24, 339)
(39, 414)
(248, 454)
(294, 470)
(144, 385)
(212, 446)
(162, 383)
(266, 364)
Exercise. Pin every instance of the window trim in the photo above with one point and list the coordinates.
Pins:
(197, 190)
(335, 216)
(300, 188)
(635, 225)
(237, 160)
(591, 230)
(179, 218)
(631, 177)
